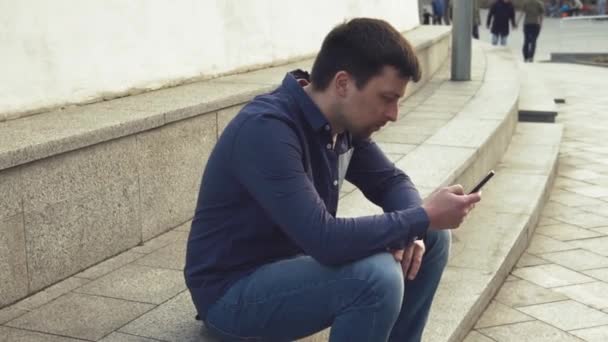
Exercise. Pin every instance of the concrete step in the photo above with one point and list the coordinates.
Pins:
(536, 102)
(496, 233)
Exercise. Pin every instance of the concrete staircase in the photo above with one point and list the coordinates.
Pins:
(448, 132)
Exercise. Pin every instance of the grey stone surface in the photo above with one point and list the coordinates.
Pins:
(527, 259)
(40, 136)
(396, 148)
(138, 283)
(596, 334)
(577, 259)
(486, 238)
(579, 316)
(534, 159)
(517, 202)
(551, 275)
(433, 166)
(600, 274)
(120, 337)
(521, 293)
(13, 262)
(597, 245)
(399, 135)
(109, 265)
(172, 256)
(72, 315)
(591, 294)
(172, 321)
(9, 313)
(80, 208)
(584, 219)
(18, 335)
(355, 204)
(566, 232)
(543, 244)
(541, 332)
(500, 314)
(161, 241)
(50, 293)
(268, 76)
(475, 336)
(462, 132)
(171, 163)
(454, 303)
(11, 202)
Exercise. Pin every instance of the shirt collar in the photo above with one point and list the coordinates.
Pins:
(311, 111)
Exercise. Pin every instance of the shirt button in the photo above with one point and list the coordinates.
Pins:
(328, 146)
(335, 183)
(327, 127)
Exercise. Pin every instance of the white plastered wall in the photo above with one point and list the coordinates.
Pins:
(73, 51)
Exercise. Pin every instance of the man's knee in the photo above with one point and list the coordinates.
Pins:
(384, 276)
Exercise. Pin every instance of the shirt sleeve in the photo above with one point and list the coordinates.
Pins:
(381, 182)
(267, 159)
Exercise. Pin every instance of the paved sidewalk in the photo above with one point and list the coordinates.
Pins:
(559, 289)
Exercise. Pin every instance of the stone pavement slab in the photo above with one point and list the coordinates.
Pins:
(500, 314)
(596, 334)
(566, 315)
(566, 232)
(600, 274)
(18, 335)
(551, 275)
(81, 316)
(576, 259)
(528, 331)
(521, 293)
(567, 257)
(171, 321)
(528, 259)
(138, 283)
(593, 294)
(475, 336)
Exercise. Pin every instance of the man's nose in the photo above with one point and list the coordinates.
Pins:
(393, 112)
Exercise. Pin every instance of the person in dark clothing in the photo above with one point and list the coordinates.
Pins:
(534, 11)
(438, 11)
(267, 258)
(500, 14)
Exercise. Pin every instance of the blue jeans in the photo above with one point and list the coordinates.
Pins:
(496, 37)
(365, 300)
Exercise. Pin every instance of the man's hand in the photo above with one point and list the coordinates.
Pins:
(447, 207)
(410, 258)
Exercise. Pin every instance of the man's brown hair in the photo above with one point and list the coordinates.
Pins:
(362, 47)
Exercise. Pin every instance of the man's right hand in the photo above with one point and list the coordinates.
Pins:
(447, 207)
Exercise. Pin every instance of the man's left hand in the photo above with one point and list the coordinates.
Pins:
(410, 258)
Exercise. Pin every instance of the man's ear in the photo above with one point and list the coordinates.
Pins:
(342, 82)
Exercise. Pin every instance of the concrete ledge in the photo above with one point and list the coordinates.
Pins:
(536, 101)
(86, 183)
(495, 235)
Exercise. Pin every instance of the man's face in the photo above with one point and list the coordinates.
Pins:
(366, 110)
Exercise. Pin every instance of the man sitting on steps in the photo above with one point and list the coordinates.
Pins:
(267, 258)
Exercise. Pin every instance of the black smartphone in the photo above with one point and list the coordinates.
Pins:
(483, 182)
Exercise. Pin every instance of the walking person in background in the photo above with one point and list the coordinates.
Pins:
(500, 14)
(577, 6)
(601, 7)
(476, 19)
(438, 8)
(533, 11)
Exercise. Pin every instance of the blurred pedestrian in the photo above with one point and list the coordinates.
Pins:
(500, 14)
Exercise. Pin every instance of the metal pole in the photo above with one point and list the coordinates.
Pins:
(462, 28)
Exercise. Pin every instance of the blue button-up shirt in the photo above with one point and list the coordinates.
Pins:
(270, 191)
